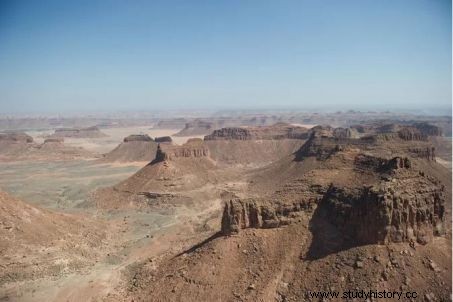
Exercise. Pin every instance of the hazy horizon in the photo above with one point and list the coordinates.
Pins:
(89, 56)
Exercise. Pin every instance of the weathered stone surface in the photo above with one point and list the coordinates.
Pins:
(240, 214)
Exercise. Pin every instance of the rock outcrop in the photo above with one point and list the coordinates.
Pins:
(193, 148)
(275, 132)
(174, 168)
(134, 148)
(323, 144)
(163, 139)
(138, 138)
(251, 213)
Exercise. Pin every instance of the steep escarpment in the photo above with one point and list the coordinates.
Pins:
(251, 213)
(134, 148)
(353, 181)
(89, 132)
(166, 182)
(274, 132)
(386, 141)
(405, 206)
(255, 146)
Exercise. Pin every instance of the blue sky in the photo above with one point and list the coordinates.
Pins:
(144, 55)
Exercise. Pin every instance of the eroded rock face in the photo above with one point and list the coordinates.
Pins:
(138, 138)
(249, 213)
(240, 214)
(407, 206)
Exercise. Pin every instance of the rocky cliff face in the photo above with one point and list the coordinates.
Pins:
(249, 213)
(190, 149)
(274, 132)
(412, 134)
(408, 207)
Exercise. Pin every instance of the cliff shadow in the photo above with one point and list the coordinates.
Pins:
(200, 244)
(327, 238)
